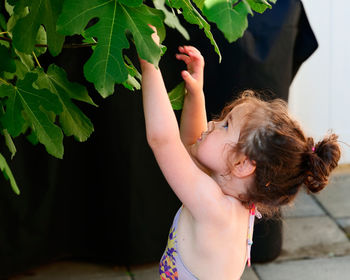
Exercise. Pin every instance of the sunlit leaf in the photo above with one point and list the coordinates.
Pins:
(8, 139)
(199, 3)
(72, 119)
(106, 65)
(259, 5)
(8, 174)
(15, 12)
(26, 59)
(131, 3)
(9, 143)
(177, 96)
(171, 19)
(25, 99)
(12, 119)
(229, 16)
(41, 39)
(134, 76)
(193, 16)
(41, 12)
(21, 71)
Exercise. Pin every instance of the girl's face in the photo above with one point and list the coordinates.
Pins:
(211, 148)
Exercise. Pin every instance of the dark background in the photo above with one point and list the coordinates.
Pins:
(107, 200)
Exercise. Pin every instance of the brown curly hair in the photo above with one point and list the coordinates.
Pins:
(285, 158)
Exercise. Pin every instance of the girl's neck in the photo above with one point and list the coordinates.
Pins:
(233, 186)
(229, 184)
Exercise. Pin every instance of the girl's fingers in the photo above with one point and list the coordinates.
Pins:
(154, 29)
(190, 57)
(185, 58)
(191, 52)
(191, 83)
(154, 35)
(192, 49)
(187, 77)
(188, 49)
(194, 61)
(190, 79)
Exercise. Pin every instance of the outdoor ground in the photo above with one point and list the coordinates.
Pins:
(316, 245)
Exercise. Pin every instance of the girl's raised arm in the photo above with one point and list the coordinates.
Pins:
(193, 117)
(192, 186)
(161, 123)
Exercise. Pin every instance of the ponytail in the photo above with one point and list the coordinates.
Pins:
(322, 158)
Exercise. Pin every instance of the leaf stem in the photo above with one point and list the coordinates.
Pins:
(65, 46)
(36, 59)
(74, 46)
(4, 81)
(6, 39)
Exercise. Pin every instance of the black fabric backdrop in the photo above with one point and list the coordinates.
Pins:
(107, 201)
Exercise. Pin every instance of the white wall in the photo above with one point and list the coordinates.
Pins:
(320, 94)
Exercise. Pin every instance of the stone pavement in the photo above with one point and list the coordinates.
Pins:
(316, 245)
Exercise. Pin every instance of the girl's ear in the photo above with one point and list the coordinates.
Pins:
(243, 167)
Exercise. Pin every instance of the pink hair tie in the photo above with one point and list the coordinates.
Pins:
(313, 148)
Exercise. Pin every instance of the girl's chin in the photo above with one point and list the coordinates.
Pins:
(192, 150)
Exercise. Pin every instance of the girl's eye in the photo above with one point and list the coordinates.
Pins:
(225, 125)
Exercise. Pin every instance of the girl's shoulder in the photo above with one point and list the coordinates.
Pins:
(236, 210)
(230, 213)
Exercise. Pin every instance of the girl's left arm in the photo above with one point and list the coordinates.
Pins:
(161, 123)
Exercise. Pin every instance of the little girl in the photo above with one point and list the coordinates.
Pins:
(254, 156)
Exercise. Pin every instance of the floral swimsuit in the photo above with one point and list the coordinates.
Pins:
(171, 266)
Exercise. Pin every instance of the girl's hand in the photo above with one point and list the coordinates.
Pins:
(154, 35)
(193, 77)
(156, 40)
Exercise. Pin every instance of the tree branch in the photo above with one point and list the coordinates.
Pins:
(65, 46)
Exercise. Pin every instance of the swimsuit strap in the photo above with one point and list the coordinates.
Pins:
(253, 211)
